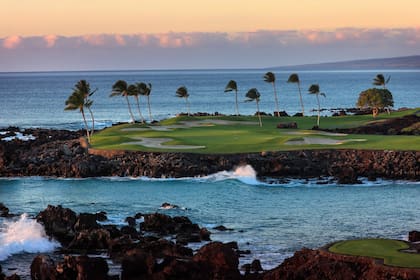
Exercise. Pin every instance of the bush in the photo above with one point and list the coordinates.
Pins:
(375, 98)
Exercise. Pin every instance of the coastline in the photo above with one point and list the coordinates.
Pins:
(61, 153)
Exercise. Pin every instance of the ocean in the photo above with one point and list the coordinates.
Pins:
(37, 99)
(270, 220)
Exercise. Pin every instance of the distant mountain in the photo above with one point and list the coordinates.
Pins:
(405, 62)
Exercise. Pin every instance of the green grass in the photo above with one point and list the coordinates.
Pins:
(385, 249)
(243, 138)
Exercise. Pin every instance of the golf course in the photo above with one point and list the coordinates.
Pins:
(387, 250)
(242, 134)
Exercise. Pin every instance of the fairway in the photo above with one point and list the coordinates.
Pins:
(387, 250)
(242, 134)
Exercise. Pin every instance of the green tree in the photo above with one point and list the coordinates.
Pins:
(232, 86)
(121, 88)
(375, 98)
(294, 78)
(146, 90)
(269, 77)
(77, 101)
(182, 92)
(84, 88)
(379, 80)
(314, 89)
(254, 94)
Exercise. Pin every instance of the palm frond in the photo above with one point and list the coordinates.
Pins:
(231, 86)
(253, 94)
(314, 89)
(269, 77)
(293, 78)
(119, 88)
(182, 92)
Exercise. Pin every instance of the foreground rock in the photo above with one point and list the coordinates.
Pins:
(80, 268)
(319, 264)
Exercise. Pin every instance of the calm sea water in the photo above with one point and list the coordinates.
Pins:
(37, 99)
(272, 221)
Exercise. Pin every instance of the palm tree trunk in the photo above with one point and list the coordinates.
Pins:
(129, 109)
(138, 108)
(236, 102)
(86, 125)
(301, 100)
(188, 106)
(258, 113)
(319, 110)
(93, 121)
(148, 105)
(276, 100)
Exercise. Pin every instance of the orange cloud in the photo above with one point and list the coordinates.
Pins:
(12, 42)
(50, 40)
(94, 40)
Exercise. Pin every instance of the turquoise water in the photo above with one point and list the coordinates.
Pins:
(37, 99)
(272, 221)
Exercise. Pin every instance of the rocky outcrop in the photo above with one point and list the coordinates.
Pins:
(320, 264)
(78, 268)
(51, 159)
(393, 126)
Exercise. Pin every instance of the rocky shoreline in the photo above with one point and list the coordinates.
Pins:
(60, 153)
(154, 246)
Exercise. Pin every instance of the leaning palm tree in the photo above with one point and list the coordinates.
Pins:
(77, 101)
(379, 80)
(146, 90)
(269, 77)
(182, 92)
(232, 86)
(254, 94)
(83, 87)
(294, 78)
(121, 88)
(314, 89)
(134, 91)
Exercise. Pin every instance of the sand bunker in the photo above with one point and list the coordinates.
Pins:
(157, 143)
(321, 141)
(188, 124)
(316, 132)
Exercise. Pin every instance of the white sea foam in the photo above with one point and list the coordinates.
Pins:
(19, 136)
(245, 173)
(24, 235)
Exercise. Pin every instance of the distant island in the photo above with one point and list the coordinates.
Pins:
(393, 63)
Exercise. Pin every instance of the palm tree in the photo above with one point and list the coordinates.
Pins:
(232, 86)
(294, 78)
(182, 92)
(379, 80)
(269, 77)
(133, 90)
(314, 89)
(253, 94)
(77, 101)
(83, 87)
(121, 88)
(146, 90)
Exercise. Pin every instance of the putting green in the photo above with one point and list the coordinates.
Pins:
(388, 250)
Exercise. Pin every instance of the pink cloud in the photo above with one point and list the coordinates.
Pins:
(50, 40)
(94, 40)
(12, 42)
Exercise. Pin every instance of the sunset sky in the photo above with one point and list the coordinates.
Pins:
(138, 34)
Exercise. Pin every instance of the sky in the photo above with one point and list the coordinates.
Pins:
(43, 35)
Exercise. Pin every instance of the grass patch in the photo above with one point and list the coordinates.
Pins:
(386, 249)
(241, 134)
